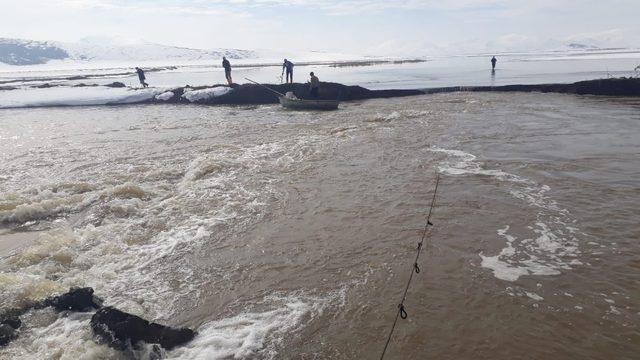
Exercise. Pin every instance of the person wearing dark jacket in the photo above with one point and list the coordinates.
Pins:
(141, 77)
(227, 70)
(288, 66)
(493, 63)
(314, 84)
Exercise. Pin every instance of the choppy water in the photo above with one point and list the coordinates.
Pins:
(290, 235)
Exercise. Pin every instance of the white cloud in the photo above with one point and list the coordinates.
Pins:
(350, 26)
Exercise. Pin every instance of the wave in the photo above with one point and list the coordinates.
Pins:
(255, 334)
(555, 246)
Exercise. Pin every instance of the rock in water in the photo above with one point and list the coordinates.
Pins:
(118, 329)
(7, 333)
(11, 320)
(77, 299)
(116, 84)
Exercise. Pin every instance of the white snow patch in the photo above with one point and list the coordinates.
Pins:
(205, 94)
(167, 95)
(71, 96)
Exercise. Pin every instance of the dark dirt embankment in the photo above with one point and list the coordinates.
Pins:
(605, 87)
(256, 94)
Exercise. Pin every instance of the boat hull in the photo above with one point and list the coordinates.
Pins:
(300, 104)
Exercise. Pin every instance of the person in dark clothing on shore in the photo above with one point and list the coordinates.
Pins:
(493, 63)
(314, 84)
(288, 66)
(141, 77)
(227, 70)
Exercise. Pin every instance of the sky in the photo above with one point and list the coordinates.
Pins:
(363, 27)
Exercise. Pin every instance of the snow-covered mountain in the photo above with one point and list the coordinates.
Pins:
(27, 52)
(105, 49)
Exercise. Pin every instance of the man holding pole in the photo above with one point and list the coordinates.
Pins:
(288, 66)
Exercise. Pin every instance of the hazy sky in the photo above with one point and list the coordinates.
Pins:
(381, 27)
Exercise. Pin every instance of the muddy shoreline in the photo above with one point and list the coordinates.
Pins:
(252, 94)
(605, 87)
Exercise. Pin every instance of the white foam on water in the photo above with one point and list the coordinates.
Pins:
(504, 270)
(554, 246)
(256, 333)
(134, 241)
(534, 296)
(18, 289)
(46, 202)
(466, 164)
(396, 115)
(68, 337)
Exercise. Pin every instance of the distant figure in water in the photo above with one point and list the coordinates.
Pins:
(493, 63)
(141, 77)
(227, 70)
(288, 66)
(314, 83)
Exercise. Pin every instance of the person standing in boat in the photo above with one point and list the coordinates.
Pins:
(493, 63)
(314, 84)
(227, 70)
(141, 77)
(288, 66)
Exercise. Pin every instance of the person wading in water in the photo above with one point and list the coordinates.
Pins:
(141, 77)
(314, 83)
(288, 66)
(227, 70)
(493, 63)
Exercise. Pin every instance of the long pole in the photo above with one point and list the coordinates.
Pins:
(266, 87)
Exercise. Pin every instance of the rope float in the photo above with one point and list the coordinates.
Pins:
(402, 312)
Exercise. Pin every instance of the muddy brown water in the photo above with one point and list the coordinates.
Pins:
(290, 235)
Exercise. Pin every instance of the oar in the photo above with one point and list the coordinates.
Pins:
(266, 87)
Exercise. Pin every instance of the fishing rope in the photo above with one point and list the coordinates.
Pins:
(402, 313)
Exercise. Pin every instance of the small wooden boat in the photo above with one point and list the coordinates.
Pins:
(302, 104)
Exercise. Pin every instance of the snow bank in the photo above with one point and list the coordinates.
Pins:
(167, 95)
(205, 94)
(69, 96)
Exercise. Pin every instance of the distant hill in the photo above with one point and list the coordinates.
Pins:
(28, 52)
(580, 46)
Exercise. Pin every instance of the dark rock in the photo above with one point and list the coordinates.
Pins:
(77, 299)
(7, 333)
(11, 320)
(119, 329)
(116, 84)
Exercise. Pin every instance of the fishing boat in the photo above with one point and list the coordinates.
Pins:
(290, 101)
(302, 104)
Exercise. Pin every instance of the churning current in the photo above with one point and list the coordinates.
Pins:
(290, 235)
